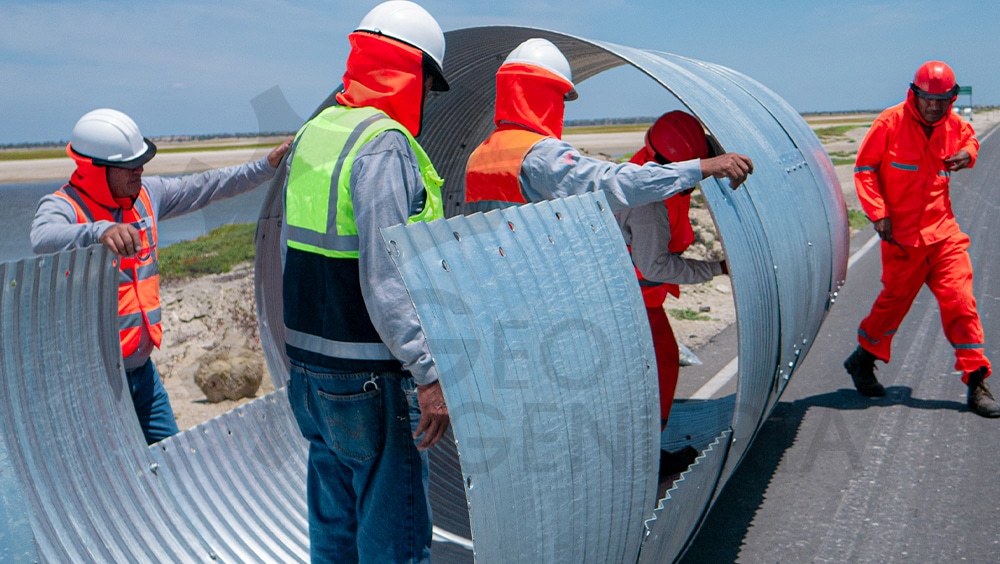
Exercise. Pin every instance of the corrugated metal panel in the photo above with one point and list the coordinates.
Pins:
(63, 409)
(75, 462)
(534, 315)
(697, 422)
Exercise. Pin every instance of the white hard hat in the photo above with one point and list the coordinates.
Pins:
(542, 53)
(111, 138)
(413, 25)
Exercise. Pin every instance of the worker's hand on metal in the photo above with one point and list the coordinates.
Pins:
(122, 239)
(433, 415)
(958, 161)
(274, 157)
(733, 166)
(884, 229)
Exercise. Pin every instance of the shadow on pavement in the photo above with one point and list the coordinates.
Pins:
(721, 536)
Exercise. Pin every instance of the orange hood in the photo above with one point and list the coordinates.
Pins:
(386, 74)
(532, 98)
(92, 180)
(911, 108)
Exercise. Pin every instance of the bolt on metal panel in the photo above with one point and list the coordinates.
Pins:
(546, 364)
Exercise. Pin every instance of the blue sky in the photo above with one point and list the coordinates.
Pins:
(192, 67)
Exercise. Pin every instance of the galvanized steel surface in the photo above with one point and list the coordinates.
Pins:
(80, 484)
(534, 316)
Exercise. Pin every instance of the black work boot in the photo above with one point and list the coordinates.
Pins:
(861, 366)
(981, 401)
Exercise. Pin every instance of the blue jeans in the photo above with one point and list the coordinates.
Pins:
(367, 482)
(152, 405)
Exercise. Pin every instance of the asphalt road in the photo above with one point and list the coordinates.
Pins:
(913, 477)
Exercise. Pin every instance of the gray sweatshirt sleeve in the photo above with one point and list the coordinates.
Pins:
(647, 231)
(55, 229)
(554, 169)
(177, 195)
(386, 188)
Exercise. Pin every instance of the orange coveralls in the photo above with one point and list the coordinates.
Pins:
(900, 174)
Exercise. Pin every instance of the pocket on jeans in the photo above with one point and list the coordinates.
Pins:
(354, 423)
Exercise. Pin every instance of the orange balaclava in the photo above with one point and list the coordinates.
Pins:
(530, 97)
(92, 180)
(386, 74)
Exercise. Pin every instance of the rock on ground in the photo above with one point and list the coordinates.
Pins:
(210, 358)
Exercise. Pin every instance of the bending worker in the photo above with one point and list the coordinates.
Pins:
(658, 233)
(108, 201)
(525, 160)
(902, 177)
(360, 366)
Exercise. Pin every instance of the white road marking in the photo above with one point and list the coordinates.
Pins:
(729, 371)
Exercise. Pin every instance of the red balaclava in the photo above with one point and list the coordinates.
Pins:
(92, 180)
(530, 97)
(386, 74)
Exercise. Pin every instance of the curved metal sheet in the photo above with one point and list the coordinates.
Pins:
(230, 489)
(534, 316)
(93, 491)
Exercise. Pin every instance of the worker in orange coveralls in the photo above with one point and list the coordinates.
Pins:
(902, 178)
(657, 234)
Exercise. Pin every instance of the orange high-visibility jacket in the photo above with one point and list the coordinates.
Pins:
(139, 276)
(494, 168)
(900, 173)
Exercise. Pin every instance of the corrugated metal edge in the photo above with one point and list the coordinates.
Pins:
(686, 501)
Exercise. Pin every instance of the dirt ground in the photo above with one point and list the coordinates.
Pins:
(209, 327)
(210, 323)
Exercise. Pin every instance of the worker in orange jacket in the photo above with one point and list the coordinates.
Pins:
(658, 233)
(902, 178)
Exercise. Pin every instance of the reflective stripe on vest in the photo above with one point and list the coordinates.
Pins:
(318, 207)
(138, 276)
(319, 211)
(494, 168)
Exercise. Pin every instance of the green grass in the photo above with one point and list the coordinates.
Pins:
(688, 315)
(607, 128)
(834, 132)
(857, 219)
(215, 253)
(843, 157)
(32, 154)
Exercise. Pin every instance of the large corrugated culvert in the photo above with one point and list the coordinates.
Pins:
(533, 314)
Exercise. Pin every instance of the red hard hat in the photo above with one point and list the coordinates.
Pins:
(677, 136)
(935, 80)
